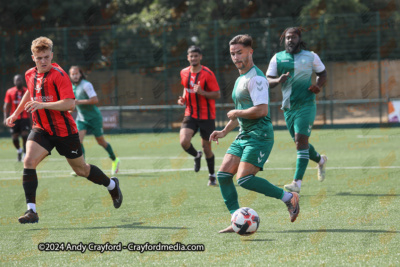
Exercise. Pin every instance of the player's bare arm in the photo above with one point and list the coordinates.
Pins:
(13, 117)
(274, 81)
(181, 99)
(6, 111)
(250, 113)
(211, 95)
(321, 80)
(61, 105)
(91, 101)
(232, 124)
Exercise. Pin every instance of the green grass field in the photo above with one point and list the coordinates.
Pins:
(352, 218)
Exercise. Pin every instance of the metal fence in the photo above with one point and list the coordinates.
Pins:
(135, 69)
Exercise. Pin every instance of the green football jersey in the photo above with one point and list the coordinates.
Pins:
(295, 93)
(85, 90)
(251, 89)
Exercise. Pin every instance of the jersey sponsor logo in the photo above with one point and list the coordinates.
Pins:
(47, 98)
(189, 90)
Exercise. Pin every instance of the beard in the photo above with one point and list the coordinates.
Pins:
(291, 49)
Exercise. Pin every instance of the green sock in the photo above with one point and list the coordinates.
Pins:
(314, 155)
(301, 165)
(83, 150)
(110, 152)
(260, 185)
(228, 191)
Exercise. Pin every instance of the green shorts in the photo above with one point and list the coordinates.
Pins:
(94, 126)
(300, 120)
(252, 151)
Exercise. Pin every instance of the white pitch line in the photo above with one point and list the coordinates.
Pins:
(94, 158)
(139, 171)
(372, 136)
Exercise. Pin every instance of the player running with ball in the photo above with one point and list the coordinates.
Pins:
(248, 153)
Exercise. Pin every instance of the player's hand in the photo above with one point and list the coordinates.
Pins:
(232, 114)
(284, 77)
(32, 106)
(181, 101)
(10, 120)
(197, 89)
(216, 135)
(315, 89)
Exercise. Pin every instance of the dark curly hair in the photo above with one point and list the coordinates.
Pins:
(296, 30)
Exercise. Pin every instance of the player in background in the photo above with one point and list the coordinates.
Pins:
(22, 124)
(293, 68)
(49, 98)
(200, 89)
(248, 153)
(89, 117)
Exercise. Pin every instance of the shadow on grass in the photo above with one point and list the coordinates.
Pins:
(337, 231)
(137, 175)
(258, 240)
(135, 225)
(366, 195)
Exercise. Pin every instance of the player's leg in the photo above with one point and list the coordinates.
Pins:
(25, 128)
(314, 155)
(253, 159)
(225, 175)
(206, 128)
(82, 134)
(24, 135)
(302, 148)
(15, 140)
(37, 148)
(300, 129)
(15, 132)
(188, 128)
(102, 142)
(70, 148)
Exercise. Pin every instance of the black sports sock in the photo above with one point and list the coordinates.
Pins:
(16, 142)
(97, 176)
(191, 151)
(210, 164)
(30, 184)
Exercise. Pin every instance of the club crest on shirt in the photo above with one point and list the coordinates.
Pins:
(39, 84)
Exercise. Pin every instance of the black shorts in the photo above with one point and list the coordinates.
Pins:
(20, 126)
(69, 146)
(206, 126)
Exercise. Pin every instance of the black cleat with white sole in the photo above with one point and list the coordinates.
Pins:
(116, 194)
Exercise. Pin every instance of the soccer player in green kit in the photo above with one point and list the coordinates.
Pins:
(293, 69)
(89, 117)
(248, 153)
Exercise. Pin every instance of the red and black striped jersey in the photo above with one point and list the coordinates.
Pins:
(14, 97)
(51, 86)
(198, 106)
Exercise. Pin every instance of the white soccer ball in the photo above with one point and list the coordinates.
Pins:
(245, 221)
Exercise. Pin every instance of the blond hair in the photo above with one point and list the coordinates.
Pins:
(41, 44)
